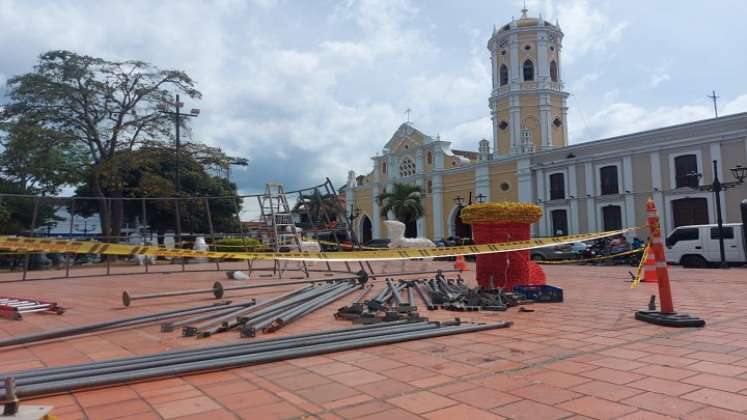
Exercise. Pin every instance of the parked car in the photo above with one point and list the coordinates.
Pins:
(697, 246)
(552, 253)
(377, 243)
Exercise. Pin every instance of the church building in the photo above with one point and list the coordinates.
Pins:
(587, 187)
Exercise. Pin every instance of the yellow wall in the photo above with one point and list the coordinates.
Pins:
(505, 172)
(428, 206)
(455, 184)
(427, 167)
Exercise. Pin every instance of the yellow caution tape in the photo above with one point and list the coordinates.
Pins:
(603, 257)
(79, 247)
(641, 265)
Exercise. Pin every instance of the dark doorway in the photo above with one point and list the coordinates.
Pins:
(559, 222)
(690, 211)
(461, 229)
(411, 229)
(366, 230)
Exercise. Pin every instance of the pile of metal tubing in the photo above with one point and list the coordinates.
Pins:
(455, 295)
(56, 380)
(268, 316)
(387, 306)
(120, 323)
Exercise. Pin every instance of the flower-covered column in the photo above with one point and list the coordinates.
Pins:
(504, 222)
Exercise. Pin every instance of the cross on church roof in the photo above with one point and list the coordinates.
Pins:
(524, 10)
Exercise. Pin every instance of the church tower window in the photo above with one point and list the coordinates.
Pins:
(429, 158)
(407, 168)
(504, 75)
(383, 167)
(528, 70)
(527, 144)
(553, 71)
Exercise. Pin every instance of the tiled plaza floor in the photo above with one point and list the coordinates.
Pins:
(584, 358)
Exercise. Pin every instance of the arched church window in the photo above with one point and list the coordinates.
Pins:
(383, 167)
(429, 158)
(528, 70)
(553, 71)
(504, 75)
(527, 143)
(407, 168)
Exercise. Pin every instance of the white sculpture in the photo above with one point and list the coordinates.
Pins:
(146, 259)
(303, 246)
(396, 232)
(200, 245)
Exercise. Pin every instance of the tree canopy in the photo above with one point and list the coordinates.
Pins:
(93, 110)
(149, 172)
(404, 200)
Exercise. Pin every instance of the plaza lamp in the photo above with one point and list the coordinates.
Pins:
(739, 173)
(352, 215)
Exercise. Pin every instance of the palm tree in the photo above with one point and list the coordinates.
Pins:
(405, 201)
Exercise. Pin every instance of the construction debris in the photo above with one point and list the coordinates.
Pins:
(14, 308)
(440, 293)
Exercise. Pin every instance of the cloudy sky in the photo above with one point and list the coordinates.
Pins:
(308, 89)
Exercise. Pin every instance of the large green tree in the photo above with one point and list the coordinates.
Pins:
(149, 172)
(105, 107)
(32, 163)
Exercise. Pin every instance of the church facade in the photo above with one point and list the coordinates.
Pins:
(593, 186)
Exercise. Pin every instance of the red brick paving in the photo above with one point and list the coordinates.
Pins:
(584, 358)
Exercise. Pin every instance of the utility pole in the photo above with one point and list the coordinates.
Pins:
(177, 118)
(714, 98)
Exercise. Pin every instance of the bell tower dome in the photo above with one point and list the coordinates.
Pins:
(527, 103)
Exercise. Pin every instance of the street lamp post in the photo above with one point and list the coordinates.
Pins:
(352, 215)
(739, 173)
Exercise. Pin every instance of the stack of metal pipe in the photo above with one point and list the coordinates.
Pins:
(47, 381)
(120, 323)
(455, 295)
(388, 305)
(267, 316)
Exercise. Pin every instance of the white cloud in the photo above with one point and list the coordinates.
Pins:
(584, 82)
(658, 78)
(623, 118)
(466, 135)
(586, 28)
(736, 105)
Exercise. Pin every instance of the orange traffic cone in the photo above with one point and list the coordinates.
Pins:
(459, 264)
(649, 268)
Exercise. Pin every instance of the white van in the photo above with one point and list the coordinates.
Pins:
(697, 246)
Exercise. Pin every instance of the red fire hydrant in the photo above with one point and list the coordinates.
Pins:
(499, 223)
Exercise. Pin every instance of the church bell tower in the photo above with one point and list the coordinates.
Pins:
(527, 103)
